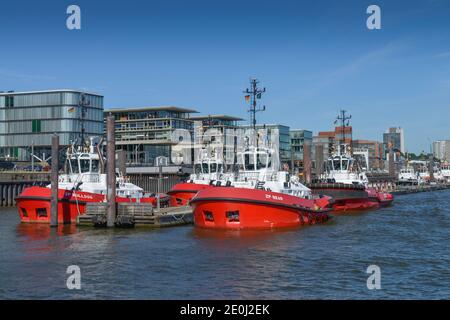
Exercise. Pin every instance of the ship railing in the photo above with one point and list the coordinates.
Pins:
(90, 177)
(267, 176)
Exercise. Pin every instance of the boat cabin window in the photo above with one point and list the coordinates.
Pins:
(84, 165)
(344, 164)
(248, 165)
(198, 168)
(329, 165)
(253, 161)
(213, 167)
(74, 165)
(95, 165)
(337, 164)
(205, 168)
(261, 161)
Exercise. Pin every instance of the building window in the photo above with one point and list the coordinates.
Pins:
(36, 126)
(9, 101)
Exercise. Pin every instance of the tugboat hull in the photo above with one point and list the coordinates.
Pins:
(238, 208)
(182, 193)
(34, 204)
(351, 197)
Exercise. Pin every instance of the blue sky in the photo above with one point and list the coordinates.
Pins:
(314, 57)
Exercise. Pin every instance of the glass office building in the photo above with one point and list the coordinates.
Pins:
(31, 118)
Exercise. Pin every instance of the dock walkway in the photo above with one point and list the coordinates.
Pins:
(136, 215)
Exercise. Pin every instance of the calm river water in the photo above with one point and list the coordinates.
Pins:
(409, 241)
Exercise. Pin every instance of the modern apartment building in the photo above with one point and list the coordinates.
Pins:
(375, 152)
(283, 142)
(329, 140)
(30, 119)
(441, 150)
(148, 132)
(220, 132)
(395, 138)
(299, 138)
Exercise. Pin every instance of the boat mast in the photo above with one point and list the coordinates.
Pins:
(345, 122)
(253, 94)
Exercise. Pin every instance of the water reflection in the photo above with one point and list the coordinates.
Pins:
(41, 231)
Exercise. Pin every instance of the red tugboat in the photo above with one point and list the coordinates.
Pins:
(207, 170)
(260, 197)
(238, 208)
(347, 184)
(85, 183)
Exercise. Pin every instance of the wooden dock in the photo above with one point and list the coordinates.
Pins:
(136, 215)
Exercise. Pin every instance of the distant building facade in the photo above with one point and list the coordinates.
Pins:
(329, 140)
(299, 138)
(146, 133)
(343, 135)
(394, 137)
(375, 152)
(441, 150)
(31, 118)
(284, 140)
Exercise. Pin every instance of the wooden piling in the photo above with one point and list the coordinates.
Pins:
(9, 204)
(54, 181)
(158, 200)
(111, 171)
(121, 159)
(15, 192)
(319, 159)
(307, 162)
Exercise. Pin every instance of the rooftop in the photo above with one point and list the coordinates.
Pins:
(299, 130)
(265, 125)
(361, 141)
(7, 93)
(217, 117)
(152, 108)
(326, 134)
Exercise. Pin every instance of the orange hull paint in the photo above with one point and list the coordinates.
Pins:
(238, 208)
(372, 200)
(182, 193)
(34, 204)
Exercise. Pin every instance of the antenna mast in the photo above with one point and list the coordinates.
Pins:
(252, 94)
(345, 122)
